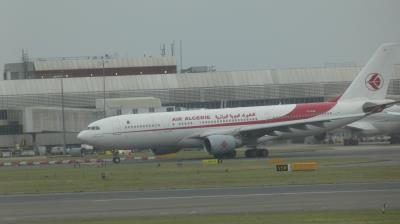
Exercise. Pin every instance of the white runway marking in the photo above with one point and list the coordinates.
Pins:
(246, 195)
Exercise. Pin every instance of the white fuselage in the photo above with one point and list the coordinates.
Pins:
(175, 130)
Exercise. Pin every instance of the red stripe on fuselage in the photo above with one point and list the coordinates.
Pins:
(304, 111)
(301, 111)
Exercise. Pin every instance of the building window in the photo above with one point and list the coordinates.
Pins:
(3, 114)
(134, 111)
(170, 109)
(119, 111)
(151, 110)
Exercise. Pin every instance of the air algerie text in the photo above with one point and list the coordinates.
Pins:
(217, 116)
(192, 118)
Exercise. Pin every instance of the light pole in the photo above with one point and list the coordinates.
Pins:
(61, 77)
(104, 86)
(63, 114)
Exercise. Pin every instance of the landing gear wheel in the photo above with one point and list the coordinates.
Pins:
(116, 159)
(350, 142)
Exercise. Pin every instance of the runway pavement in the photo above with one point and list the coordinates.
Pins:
(201, 201)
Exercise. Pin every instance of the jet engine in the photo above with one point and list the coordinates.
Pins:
(221, 145)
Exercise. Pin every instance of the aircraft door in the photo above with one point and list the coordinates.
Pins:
(117, 129)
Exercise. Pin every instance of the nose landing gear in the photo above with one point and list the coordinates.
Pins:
(116, 159)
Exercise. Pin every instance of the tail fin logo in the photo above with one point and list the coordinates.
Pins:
(374, 81)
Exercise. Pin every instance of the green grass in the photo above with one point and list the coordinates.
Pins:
(336, 217)
(144, 176)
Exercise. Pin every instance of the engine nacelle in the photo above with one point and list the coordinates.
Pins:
(220, 144)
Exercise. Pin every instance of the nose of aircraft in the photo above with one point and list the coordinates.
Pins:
(81, 136)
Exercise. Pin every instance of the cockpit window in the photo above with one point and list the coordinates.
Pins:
(93, 128)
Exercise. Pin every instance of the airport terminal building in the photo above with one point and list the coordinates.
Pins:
(31, 109)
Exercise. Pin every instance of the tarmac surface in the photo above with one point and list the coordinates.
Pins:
(201, 201)
(366, 150)
(377, 154)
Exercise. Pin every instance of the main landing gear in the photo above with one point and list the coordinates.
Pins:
(350, 141)
(254, 152)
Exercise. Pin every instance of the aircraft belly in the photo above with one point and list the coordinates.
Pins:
(107, 141)
(156, 139)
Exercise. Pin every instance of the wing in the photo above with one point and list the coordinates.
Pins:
(274, 129)
(259, 130)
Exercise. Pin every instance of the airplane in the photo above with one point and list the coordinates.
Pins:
(221, 131)
(385, 123)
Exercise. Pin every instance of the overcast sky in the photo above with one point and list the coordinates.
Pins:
(232, 35)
